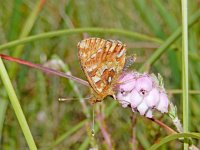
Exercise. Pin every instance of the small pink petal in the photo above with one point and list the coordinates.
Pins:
(144, 83)
(142, 108)
(124, 99)
(127, 86)
(124, 104)
(149, 113)
(127, 82)
(135, 98)
(163, 103)
(152, 98)
(120, 95)
(127, 76)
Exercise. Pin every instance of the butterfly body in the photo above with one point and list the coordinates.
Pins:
(102, 62)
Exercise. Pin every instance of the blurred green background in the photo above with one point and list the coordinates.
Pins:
(38, 93)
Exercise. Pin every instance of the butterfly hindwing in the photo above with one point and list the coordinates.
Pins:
(102, 61)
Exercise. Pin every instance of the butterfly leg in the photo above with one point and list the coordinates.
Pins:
(94, 100)
(114, 97)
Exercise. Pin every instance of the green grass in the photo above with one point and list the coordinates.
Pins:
(155, 30)
(185, 70)
(16, 106)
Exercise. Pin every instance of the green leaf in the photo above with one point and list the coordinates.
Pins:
(174, 137)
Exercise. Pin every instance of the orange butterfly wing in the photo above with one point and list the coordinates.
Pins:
(102, 61)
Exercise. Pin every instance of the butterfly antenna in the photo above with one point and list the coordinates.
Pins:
(93, 115)
(70, 99)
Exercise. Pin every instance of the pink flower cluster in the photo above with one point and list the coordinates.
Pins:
(142, 92)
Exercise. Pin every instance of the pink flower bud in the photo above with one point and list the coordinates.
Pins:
(127, 82)
(152, 98)
(143, 92)
(142, 108)
(136, 98)
(124, 98)
(149, 114)
(144, 85)
(163, 103)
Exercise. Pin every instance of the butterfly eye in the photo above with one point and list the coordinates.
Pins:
(129, 62)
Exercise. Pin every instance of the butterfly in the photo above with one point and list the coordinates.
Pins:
(102, 61)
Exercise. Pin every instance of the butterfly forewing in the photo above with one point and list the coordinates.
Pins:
(102, 61)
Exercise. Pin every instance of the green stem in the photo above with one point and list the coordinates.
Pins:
(185, 68)
(26, 29)
(3, 107)
(173, 137)
(67, 134)
(16, 106)
(168, 42)
(80, 30)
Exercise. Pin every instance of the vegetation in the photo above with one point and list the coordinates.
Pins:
(47, 32)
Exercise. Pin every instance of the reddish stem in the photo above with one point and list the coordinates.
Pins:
(104, 131)
(70, 77)
(42, 3)
(44, 69)
(164, 126)
(134, 140)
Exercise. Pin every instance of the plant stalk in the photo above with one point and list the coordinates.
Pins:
(185, 68)
(16, 106)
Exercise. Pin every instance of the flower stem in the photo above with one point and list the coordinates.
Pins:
(164, 126)
(104, 130)
(44, 69)
(185, 68)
